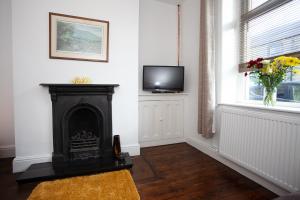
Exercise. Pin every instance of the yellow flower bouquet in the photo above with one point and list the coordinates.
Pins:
(271, 73)
(81, 80)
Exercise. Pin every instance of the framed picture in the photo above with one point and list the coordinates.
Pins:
(78, 38)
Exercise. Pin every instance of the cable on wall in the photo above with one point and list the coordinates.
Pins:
(178, 34)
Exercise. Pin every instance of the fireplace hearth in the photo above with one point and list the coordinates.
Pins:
(82, 133)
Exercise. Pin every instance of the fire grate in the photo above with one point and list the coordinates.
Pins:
(84, 145)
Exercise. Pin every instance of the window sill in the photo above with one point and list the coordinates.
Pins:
(278, 108)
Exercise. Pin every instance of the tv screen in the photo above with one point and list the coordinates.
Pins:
(163, 78)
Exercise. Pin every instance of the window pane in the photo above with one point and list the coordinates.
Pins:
(256, 3)
(255, 89)
(287, 91)
(274, 33)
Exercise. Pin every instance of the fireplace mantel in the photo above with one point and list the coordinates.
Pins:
(78, 85)
(57, 88)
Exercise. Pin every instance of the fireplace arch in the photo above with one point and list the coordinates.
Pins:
(83, 128)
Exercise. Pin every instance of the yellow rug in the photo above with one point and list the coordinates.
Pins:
(117, 185)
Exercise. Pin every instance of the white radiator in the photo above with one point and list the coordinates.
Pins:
(265, 142)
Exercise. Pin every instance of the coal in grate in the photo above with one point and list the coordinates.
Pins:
(84, 145)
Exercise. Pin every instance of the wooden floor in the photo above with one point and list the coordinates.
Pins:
(176, 171)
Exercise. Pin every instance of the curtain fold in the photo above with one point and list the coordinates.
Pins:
(206, 93)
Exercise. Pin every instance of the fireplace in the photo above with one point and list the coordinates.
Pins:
(82, 123)
(82, 133)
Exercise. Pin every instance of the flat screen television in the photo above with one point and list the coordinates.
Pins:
(163, 78)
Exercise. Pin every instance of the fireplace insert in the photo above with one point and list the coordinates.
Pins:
(85, 127)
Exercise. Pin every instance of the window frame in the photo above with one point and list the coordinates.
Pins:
(245, 17)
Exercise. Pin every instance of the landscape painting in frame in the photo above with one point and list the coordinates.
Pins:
(78, 38)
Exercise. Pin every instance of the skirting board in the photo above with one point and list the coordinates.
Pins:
(7, 151)
(161, 142)
(214, 154)
(20, 164)
(133, 150)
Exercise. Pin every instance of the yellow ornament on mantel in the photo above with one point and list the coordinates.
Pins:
(81, 80)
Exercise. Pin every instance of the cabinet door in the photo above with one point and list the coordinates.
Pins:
(150, 120)
(173, 119)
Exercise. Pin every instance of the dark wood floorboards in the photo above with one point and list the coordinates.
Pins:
(177, 171)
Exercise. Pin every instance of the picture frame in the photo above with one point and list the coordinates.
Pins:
(78, 38)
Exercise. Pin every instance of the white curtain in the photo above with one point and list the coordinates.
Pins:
(206, 95)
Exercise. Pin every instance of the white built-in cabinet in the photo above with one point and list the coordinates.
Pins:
(161, 119)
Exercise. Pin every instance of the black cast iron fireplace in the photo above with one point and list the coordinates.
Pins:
(82, 122)
(82, 133)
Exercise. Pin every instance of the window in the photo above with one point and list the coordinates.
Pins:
(288, 90)
(256, 3)
(270, 28)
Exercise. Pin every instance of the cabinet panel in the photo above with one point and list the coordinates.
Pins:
(150, 121)
(160, 120)
(173, 119)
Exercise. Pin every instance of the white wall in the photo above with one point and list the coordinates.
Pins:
(158, 35)
(6, 82)
(229, 76)
(32, 66)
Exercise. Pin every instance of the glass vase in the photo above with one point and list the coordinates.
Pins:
(270, 96)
